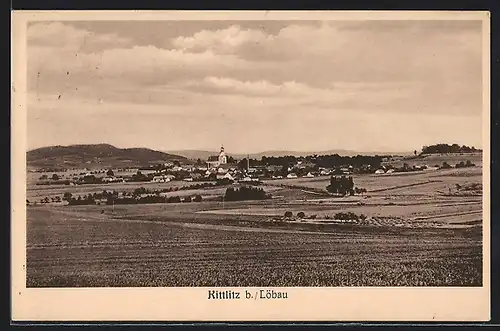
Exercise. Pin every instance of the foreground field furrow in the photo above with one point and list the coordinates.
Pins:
(180, 256)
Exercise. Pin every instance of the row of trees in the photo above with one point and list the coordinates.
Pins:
(461, 164)
(112, 197)
(245, 193)
(467, 164)
(349, 216)
(445, 148)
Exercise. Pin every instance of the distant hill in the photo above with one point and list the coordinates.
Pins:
(203, 155)
(100, 155)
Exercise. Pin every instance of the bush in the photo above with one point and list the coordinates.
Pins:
(347, 216)
(197, 198)
(175, 199)
(301, 214)
(288, 214)
(445, 166)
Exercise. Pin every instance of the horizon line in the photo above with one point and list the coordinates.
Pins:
(245, 153)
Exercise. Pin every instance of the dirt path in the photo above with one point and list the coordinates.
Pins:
(404, 186)
(447, 215)
(106, 219)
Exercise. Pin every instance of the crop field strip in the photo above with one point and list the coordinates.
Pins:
(239, 253)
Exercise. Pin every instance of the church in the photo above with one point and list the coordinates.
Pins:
(217, 160)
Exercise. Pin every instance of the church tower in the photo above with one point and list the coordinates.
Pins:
(222, 156)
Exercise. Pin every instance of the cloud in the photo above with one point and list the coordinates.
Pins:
(67, 37)
(339, 73)
(222, 41)
(255, 88)
(59, 70)
(330, 51)
(347, 95)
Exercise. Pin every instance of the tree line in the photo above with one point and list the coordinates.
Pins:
(245, 193)
(133, 198)
(446, 149)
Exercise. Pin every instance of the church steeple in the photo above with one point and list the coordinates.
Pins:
(222, 156)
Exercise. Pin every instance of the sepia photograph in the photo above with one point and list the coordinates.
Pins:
(263, 153)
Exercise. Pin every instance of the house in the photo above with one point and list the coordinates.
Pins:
(228, 176)
(196, 176)
(291, 175)
(147, 171)
(169, 177)
(272, 168)
(161, 179)
(222, 170)
(225, 176)
(324, 172)
(112, 179)
(188, 179)
(431, 168)
(390, 171)
(309, 175)
(345, 170)
(304, 165)
(380, 171)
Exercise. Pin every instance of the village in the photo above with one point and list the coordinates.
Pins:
(217, 168)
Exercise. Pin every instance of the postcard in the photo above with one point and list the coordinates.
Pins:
(250, 166)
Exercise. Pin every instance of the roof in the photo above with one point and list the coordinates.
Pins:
(213, 158)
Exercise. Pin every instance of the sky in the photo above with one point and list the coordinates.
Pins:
(255, 85)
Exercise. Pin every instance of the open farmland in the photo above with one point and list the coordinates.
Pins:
(437, 159)
(40, 191)
(414, 235)
(82, 249)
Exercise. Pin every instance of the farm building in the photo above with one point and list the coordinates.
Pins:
(291, 175)
(380, 171)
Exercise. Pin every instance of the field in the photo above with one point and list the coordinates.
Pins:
(415, 235)
(438, 159)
